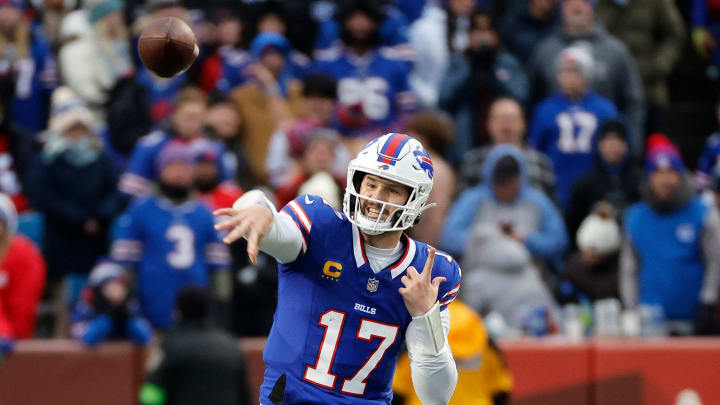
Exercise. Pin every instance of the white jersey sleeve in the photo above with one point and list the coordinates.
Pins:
(284, 240)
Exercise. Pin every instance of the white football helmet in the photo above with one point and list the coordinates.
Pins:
(399, 158)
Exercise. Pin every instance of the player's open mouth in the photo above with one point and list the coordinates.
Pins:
(371, 212)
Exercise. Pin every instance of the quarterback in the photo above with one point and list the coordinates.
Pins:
(353, 286)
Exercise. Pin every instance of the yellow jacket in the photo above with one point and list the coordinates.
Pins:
(482, 372)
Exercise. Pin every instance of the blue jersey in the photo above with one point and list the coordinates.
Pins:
(170, 247)
(162, 93)
(377, 82)
(566, 131)
(35, 78)
(233, 63)
(142, 169)
(339, 326)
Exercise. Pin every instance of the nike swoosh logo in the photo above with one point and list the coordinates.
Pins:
(308, 201)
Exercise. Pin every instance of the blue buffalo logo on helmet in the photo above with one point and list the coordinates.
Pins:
(423, 159)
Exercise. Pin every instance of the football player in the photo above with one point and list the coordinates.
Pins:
(353, 286)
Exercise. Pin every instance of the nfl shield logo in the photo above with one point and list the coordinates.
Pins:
(372, 284)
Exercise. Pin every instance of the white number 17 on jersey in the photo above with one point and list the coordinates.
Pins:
(333, 320)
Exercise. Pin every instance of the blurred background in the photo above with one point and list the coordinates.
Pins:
(575, 146)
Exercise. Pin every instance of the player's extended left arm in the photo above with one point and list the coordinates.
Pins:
(432, 365)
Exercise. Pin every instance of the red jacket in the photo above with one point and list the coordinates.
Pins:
(22, 281)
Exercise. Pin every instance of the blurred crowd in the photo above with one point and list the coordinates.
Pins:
(572, 142)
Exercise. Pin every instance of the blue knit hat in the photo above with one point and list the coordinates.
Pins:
(664, 157)
(174, 151)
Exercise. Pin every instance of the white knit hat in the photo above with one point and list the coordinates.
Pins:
(68, 109)
(578, 56)
(599, 235)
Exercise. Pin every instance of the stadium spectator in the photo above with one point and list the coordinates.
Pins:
(506, 125)
(224, 125)
(670, 255)
(169, 238)
(392, 28)
(287, 143)
(224, 69)
(593, 271)
(435, 131)
(185, 125)
(107, 310)
(508, 210)
(566, 124)
(28, 62)
(500, 273)
(208, 176)
(373, 90)
(484, 72)
(483, 375)
(654, 32)
(200, 363)
(271, 96)
(22, 279)
(526, 24)
(316, 161)
(271, 17)
(614, 74)
(615, 178)
(95, 33)
(442, 31)
(73, 183)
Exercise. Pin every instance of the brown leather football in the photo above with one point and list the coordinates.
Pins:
(167, 46)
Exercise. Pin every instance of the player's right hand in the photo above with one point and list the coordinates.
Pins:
(252, 222)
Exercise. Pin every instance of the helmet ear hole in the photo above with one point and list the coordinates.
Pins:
(357, 180)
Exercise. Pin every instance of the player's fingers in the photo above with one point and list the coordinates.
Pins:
(230, 223)
(236, 233)
(225, 212)
(253, 245)
(412, 273)
(402, 290)
(405, 280)
(427, 270)
(437, 280)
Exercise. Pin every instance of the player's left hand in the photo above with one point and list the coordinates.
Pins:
(421, 290)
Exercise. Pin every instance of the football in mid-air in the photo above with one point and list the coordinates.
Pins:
(167, 46)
